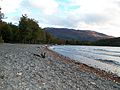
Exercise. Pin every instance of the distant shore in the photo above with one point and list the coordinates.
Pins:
(84, 67)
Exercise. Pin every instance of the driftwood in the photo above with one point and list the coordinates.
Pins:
(37, 55)
(42, 55)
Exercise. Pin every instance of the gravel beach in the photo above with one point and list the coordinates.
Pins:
(23, 68)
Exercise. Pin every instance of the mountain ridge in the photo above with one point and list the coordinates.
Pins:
(73, 34)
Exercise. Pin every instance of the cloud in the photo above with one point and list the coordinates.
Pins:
(94, 18)
(9, 6)
(117, 2)
(46, 6)
(99, 15)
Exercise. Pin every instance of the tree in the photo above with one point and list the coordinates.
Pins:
(1, 15)
(15, 33)
(28, 29)
(6, 32)
(1, 40)
(30, 32)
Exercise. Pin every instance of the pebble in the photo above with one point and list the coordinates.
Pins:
(44, 74)
(93, 83)
(19, 73)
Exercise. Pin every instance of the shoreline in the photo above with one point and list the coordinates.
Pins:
(98, 72)
(22, 67)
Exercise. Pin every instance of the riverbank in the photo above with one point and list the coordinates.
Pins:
(23, 68)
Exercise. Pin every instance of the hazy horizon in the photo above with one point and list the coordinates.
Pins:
(96, 15)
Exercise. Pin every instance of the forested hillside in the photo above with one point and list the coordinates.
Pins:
(79, 35)
(108, 42)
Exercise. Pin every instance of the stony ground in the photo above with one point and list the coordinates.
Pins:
(22, 68)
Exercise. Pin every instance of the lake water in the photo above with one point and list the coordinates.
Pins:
(105, 58)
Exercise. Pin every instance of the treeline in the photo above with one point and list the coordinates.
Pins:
(108, 42)
(27, 31)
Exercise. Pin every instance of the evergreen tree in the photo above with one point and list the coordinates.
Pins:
(29, 29)
(6, 32)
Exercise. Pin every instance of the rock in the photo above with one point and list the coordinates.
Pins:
(49, 73)
(2, 76)
(19, 73)
(93, 83)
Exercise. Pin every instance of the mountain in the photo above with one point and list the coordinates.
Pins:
(80, 35)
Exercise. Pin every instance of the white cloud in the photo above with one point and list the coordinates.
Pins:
(47, 6)
(9, 6)
(100, 15)
(94, 6)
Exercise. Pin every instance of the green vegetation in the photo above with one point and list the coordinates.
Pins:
(1, 40)
(108, 42)
(28, 31)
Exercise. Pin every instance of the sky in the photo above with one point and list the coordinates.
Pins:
(97, 15)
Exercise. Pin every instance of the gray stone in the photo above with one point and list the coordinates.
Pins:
(21, 70)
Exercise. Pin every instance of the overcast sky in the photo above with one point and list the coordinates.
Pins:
(98, 15)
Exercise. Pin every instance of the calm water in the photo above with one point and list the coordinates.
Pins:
(105, 58)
